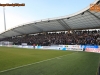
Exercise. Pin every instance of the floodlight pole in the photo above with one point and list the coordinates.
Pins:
(7, 4)
(4, 18)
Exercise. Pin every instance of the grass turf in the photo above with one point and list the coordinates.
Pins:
(13, 57)
(78, 63)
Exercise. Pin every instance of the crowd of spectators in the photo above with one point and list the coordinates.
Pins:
(61, 38)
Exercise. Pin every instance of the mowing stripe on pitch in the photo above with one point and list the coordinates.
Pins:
(34, 63)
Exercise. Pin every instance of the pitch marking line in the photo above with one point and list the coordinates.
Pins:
(35, 63)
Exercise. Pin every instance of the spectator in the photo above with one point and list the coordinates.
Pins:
(77, 37)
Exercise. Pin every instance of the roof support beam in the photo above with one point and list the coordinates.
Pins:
(64, 24)
(18, 32)
(94, 15)
(41, 30)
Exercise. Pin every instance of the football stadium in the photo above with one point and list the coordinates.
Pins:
(68, 45)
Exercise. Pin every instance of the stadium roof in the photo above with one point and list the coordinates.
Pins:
(84, 19)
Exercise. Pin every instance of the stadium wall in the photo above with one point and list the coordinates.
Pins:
(87, 48)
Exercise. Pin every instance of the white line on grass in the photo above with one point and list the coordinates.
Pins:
(34, 63)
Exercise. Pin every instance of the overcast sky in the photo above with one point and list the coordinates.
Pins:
(38, 9)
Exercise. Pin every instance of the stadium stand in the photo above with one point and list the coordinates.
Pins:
(61, 38)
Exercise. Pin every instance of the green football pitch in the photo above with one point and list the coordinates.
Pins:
(17, 61)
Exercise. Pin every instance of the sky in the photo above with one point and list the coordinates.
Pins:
(37, 10)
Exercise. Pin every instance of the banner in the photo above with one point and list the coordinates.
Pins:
(24, 44)
(97, 50)
(74, 47)
(89, 46)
